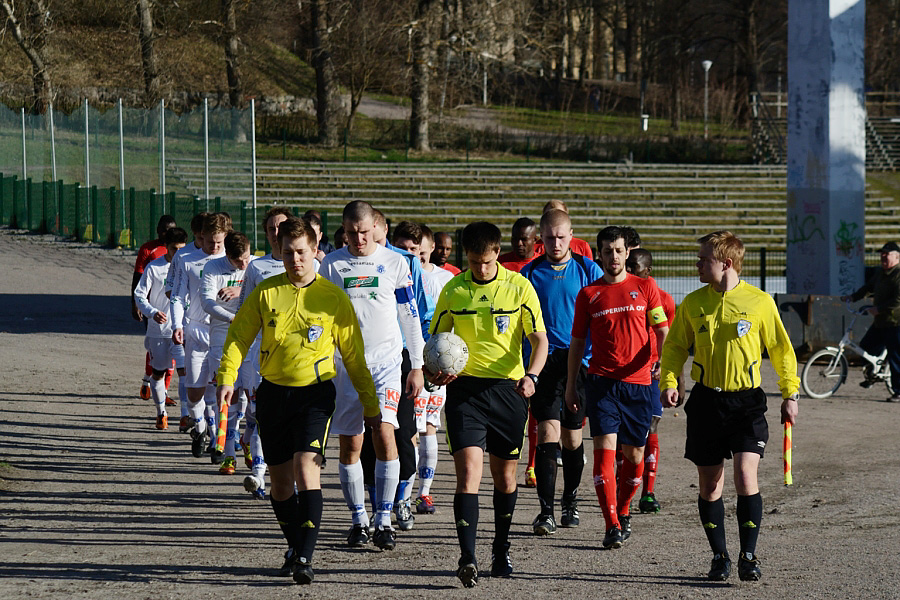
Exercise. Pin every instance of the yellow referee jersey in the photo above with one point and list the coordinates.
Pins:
(492, 319)
(301, 327)
(728, 331)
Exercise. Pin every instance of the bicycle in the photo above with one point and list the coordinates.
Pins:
(826, 370)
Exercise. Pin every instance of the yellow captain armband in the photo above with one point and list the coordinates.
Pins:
(658, 315)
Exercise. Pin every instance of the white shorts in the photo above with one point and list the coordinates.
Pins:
(246, 373)
(162, 352)
(196, 352)
(348, 412)
(428, 408)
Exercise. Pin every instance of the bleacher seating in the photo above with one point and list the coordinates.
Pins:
(672, 204)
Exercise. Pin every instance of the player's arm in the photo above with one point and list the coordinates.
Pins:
(136, 313)
(408, 315)
(672, 356)
(141, 299)
(249, 284)
(533, 326)
(783, 359)
(209, 290)
(240, 337)
(424, 303)
(348, 339)
(177, 303)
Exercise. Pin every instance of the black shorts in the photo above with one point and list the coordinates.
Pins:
(549, 400)
(721, 424)
(487, 413)
(293, 419)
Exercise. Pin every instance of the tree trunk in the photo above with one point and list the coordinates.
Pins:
(421, 78)
(149, 62)
(327, 112)
(32, 39)
(232, 71)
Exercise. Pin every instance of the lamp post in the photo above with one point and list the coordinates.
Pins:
(706, 66)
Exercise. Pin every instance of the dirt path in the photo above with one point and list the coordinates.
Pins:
(95, 503)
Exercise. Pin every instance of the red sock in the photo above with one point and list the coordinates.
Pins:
(169, 377)
(605, 485)
(148, 370)
(651, 463)
(630, 477)
(532, 438)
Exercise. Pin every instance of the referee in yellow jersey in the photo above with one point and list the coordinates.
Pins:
(491, 309)
(728, 322)
(304, 319)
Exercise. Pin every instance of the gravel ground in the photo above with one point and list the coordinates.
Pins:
(95, 503)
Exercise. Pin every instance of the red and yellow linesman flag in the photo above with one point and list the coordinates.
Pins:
(223, 426)
(788, 443)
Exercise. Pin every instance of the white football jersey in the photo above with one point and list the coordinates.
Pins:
(435, 280)
(378, 285)
(150, 297)
(217, 274)
(185, 299)
(189, 251)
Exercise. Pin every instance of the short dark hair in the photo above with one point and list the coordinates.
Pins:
(313, 219)
(295, 228)
(641, 258)
(409, 231)
(197, 222)
(609, 234)
(481, 237)
(165, 223)
(236, 243)
(175, 235)
(426, 232)
(357, 210)
(276, 210)
(523, 223)
(632, 238)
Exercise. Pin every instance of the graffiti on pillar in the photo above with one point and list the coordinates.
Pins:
(804, 230)
(846, 277)
(847, 241)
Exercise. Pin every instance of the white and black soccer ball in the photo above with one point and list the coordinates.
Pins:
(446, 352)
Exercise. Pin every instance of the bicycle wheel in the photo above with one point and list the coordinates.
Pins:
(823, 373)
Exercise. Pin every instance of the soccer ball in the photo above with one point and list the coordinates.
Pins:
(446, 352)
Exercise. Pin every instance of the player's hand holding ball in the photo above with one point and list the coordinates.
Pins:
(445, 355)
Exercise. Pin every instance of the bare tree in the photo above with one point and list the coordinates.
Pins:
(149, 61)
(31, 26)
(421, 75)
(327, 106)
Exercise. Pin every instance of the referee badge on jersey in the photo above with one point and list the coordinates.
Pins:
(502, 323)
(743, 327)
(315, 332)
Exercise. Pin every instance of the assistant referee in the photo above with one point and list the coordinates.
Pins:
(491, 309)
(304, 319)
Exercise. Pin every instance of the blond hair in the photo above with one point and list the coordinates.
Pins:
(724, 245)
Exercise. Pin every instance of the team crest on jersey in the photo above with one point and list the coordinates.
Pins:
(743, 327)
(380, 268)
(634, 295)
(315, 332)
(502, 323)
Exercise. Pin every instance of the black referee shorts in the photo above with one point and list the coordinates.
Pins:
(721, 424)
(487, 413)
(549, 399)
(293, 419)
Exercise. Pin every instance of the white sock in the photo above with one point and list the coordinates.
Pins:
(231, 434)
(158, 393)
(182, 397)
(428, 458)
(197, 409)
(354, 492)
(387, 478)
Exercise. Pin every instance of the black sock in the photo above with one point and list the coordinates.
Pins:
(287, 513)
(465, 513)
(310, 513)
(573, 467)
(545, 473)
(749, 516)
(712, 516)
(504, 506)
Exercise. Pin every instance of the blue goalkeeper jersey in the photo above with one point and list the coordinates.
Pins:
(557, 286)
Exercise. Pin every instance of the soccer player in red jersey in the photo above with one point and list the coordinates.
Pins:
(616, 310)
(524, 237)
(443, 248)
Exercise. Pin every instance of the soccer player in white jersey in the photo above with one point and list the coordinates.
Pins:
(150, 298)
(193, 249)
(429, 403)
(258, 271)
(190, 326)
(220, 297)
(379, 285)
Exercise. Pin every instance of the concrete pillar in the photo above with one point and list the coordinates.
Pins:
(826, 173)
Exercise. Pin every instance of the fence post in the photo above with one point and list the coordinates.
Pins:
(95, 218)
(218, 204)
(46, 190)
(196, 205)
(60, 208)
(111, 236)
(762, 269)
(132, 200)
(77, 225)
(29, 201)
(14, 217)
(153, 217)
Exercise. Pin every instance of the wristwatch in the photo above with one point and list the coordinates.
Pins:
(532, 377)
(795, 397)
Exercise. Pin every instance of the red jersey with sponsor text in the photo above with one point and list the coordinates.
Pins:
(618, 317)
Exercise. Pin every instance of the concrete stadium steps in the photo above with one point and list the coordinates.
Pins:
(671, 205)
